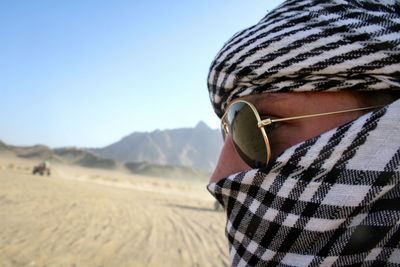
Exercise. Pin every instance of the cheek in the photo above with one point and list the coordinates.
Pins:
(286, 137)
(294, 133)
(316, 127)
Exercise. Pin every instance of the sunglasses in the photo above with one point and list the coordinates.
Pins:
(249, 133)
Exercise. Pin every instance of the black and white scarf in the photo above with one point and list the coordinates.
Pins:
(332, 200)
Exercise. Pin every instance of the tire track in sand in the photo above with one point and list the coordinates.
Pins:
(53, 221)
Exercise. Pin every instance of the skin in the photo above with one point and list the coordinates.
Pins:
(287, 134)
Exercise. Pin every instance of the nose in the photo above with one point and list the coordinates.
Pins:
(229, 162)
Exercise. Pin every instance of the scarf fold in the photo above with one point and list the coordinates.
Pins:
(332, 200)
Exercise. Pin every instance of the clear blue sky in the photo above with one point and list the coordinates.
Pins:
(87, 73)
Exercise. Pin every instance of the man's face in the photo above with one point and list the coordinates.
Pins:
(287, 134)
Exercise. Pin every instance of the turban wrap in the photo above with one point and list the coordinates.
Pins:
(311, 45)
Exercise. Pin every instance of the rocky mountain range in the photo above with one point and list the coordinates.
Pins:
(182, 152)
(84, 158)
(197, 147)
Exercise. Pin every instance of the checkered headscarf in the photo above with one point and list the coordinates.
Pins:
(332, 200)
(311, 45)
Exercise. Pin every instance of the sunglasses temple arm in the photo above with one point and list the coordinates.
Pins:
(269, 121)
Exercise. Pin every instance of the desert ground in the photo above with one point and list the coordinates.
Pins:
(92, 217)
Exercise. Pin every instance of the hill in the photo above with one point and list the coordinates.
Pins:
(197, 147)
(84, 158)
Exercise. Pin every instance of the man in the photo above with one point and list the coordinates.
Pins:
(309, 172)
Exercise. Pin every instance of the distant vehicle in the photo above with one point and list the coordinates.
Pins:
(43, 168)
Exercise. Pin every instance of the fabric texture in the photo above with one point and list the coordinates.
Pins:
(333, 200)
(311, 45)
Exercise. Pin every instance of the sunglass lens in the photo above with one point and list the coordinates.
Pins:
(246, 136)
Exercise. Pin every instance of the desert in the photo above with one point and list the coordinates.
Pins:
(81, 216)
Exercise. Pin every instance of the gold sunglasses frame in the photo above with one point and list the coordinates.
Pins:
(262, 123)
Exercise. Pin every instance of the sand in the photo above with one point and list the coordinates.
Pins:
(86, 217)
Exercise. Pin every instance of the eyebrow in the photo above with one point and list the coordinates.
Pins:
(264, 101)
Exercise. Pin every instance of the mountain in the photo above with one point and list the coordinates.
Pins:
(197, 147)
(69, 155)
(84, 158)
(164, 171)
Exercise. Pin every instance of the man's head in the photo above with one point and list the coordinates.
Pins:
(306, 58)
(330, 194)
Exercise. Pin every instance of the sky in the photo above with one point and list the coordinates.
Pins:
(87, 73)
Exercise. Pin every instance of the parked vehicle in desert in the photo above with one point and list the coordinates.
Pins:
(43, 168)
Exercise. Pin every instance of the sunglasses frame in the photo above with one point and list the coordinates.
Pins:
(262, 123)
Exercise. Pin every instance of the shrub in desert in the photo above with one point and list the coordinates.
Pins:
(11, 166)
(20, 168)
(121, 180)
(155, 183)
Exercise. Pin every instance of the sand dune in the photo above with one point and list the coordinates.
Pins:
(81, 217)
